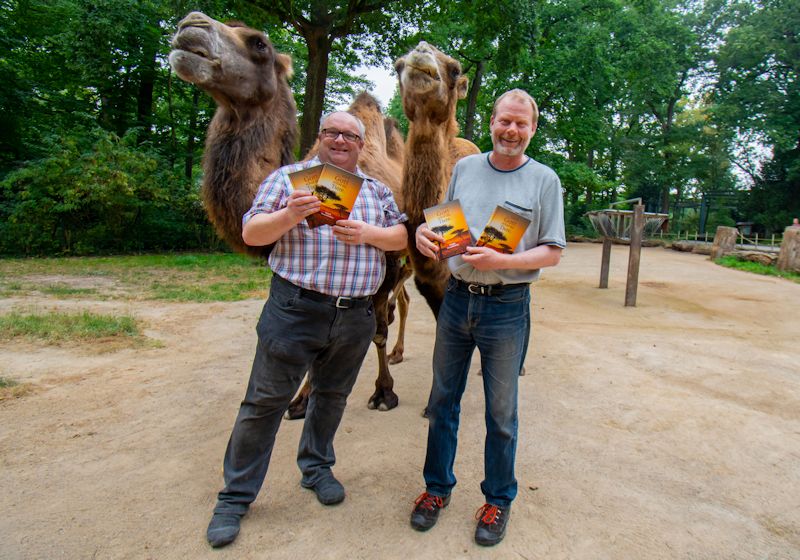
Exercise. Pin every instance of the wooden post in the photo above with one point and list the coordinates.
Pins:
(789, 257)
(634, 256)
(724, 241)
(605, 262)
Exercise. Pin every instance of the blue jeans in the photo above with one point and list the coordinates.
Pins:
(499, 326)
(295, 334)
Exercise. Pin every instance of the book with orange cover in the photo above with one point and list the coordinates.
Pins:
(447, 219)
(336, 188)
(503, 230)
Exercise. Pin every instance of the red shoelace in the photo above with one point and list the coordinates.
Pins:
(488, 513)
(428, 501)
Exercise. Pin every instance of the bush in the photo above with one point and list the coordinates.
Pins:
(98, 193)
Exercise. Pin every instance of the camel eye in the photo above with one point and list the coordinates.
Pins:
(258, 44)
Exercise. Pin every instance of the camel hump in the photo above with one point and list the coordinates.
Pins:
(460, 148)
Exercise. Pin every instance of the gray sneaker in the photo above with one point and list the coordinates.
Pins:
(223, 529)
(329, 491)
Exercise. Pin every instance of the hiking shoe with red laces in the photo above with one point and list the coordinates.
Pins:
(426, 510)
(492, 522)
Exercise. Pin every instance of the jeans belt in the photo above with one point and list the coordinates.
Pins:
(489, 289)
(341, 302)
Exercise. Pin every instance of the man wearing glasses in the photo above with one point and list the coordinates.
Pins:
(318, 318)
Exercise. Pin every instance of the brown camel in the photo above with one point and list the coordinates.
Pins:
(254, 131)
(431, 83)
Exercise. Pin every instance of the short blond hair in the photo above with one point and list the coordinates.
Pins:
(521, 95)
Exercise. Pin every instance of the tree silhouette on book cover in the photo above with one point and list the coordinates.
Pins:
(447, 219)
(336, 188)
(503, 231)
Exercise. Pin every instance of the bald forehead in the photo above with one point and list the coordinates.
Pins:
(343, 121)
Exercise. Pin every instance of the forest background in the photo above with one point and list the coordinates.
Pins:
(693, 105)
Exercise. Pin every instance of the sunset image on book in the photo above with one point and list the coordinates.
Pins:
(336, 188)
(503, 231)
(448, 220)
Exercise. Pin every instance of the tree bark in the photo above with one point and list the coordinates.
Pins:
(191, 139)
(319, 50)
(472, 100)
(144, 97)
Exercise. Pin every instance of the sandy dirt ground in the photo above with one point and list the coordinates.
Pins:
(668, 430)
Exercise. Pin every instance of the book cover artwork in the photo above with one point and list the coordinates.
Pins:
(336, 188)
(503, 231)
(448, 220)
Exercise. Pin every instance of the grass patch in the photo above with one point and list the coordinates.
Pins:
(174, 277)
(757, 268)
(67, 327)
(10, 389)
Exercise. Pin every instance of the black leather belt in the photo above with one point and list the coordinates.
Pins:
(341, 302)
(488, 289)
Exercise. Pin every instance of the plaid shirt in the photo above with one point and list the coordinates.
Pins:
(313, 258)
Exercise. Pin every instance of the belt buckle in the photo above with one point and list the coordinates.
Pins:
(478, 289)
(343, 302)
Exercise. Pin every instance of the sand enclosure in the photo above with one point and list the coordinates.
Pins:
(668, 430)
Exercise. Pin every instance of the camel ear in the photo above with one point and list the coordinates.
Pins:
(399, 64)
(461, 87)
(283, 64)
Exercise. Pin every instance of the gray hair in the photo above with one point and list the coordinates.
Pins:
(362, 130)
(523, 96)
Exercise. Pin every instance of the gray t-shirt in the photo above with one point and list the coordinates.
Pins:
(532, 190)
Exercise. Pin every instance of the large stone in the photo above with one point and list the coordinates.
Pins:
(761, 257)
(789, 257)
(724, 241)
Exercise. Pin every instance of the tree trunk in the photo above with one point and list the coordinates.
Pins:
(472, 100)
(319, 50)
(590, 164)
(190, 141)
(144, 97)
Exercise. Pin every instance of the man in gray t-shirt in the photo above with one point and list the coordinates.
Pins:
(487, 305)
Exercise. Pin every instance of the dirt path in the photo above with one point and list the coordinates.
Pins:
(669, 430)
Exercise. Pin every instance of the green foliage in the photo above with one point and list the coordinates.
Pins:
(100, 145)
(97, 193)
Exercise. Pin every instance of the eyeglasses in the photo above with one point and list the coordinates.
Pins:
(333, 134)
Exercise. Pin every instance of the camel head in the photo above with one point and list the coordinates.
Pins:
(235, 64)
(431, 83)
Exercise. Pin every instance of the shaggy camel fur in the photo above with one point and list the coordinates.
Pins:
(431, 83)
(254, 131)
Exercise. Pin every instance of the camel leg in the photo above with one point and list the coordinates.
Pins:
(384, 398)
(396, 355)
(297, 408)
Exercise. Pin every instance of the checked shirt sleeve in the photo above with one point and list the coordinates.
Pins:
(391, 212)
(271, 195)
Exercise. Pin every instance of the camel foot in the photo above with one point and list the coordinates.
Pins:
(297, 409)
(383, 399)
(395, 357)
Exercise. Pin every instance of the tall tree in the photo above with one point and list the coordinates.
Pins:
(322, 25)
